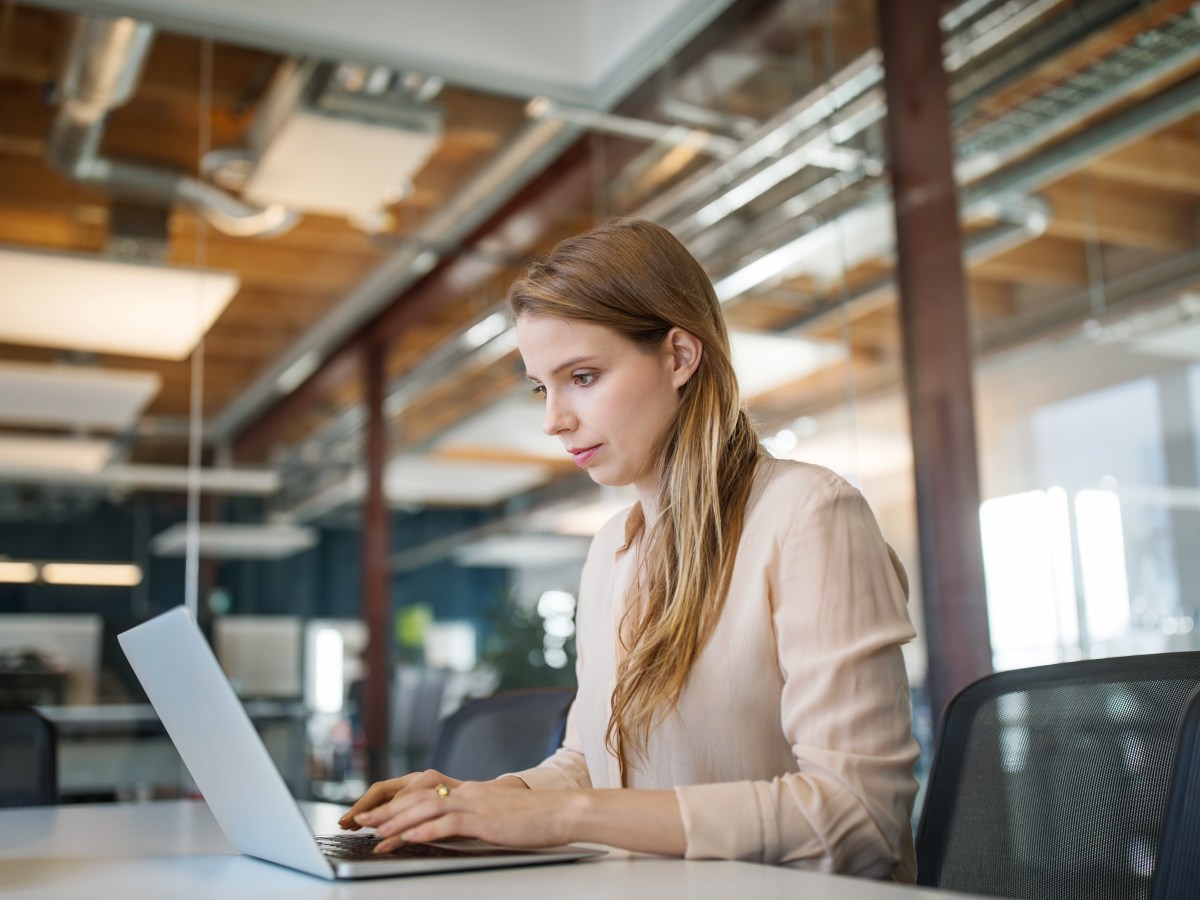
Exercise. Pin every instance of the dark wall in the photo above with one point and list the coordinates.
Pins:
(321, 582)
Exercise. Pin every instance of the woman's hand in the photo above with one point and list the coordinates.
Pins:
(383, 791)
(412, 810)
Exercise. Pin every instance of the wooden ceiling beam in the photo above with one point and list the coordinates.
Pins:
(1046, 261)
(991, 300)
(1165, 162)
(1087, 209)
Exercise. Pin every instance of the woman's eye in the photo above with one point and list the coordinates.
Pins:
(539, 390)
(583, 379)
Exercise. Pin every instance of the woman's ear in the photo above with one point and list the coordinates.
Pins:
(685, 349)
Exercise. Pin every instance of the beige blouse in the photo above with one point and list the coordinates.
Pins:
(792, 741)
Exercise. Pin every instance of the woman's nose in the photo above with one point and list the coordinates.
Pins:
(557, 419)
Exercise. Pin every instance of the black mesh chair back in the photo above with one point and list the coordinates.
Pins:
(506, 732)
(1177, 874)
(1052, 782)
(28, 758)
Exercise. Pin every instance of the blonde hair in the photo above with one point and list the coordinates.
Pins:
(634, 277)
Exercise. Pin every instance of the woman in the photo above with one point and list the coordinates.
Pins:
(739, 628)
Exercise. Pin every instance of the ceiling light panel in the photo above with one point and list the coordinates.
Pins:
(108, 306)
(414, 479)
(74, 396)
(30, 455)
(236, 541)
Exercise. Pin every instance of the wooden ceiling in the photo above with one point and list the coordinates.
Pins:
(1127, 208)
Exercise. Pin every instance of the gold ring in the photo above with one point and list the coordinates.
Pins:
(441, 790)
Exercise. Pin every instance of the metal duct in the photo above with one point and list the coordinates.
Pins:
(102, 69)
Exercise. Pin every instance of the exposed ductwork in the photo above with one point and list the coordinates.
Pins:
(101, 71)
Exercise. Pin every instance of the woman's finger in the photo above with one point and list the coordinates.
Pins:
(426, 824)
(416, 790)
(378, 793)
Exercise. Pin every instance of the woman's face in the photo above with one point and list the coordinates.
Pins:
(609, 400)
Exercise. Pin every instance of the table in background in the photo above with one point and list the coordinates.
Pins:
(174, 849)
(122, 751)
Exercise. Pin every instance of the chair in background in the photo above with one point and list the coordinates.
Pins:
(1177, 874)
(1053, 782)
(28, 758)
(506, 732)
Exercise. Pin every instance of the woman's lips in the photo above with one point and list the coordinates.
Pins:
(584, 456)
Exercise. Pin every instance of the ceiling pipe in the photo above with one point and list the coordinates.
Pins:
(701, 141)
(1021, 219)
(852, 98)
(1017, 180)
(101, 71)
(836, 111)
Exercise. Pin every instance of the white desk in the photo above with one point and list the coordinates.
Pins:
(174, 850)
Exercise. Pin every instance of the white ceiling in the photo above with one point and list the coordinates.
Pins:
(582, 50)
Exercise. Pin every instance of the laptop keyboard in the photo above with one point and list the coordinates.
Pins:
(355, 847)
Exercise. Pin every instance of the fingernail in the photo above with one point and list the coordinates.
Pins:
(363, 818)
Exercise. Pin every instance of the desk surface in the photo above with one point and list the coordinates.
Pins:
(174, 849)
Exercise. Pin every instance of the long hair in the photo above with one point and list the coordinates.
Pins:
(634, 277)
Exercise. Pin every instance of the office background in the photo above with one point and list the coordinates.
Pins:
(251, 266)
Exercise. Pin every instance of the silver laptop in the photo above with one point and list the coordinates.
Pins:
(243, 788)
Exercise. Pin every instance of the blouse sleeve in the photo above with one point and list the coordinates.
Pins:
(840, 615)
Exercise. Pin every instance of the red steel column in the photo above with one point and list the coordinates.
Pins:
(376, 578)
(937, 347)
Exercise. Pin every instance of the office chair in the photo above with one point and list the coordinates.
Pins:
(28, 758)
(1177, 874)
(506, 732)
(1052, 782)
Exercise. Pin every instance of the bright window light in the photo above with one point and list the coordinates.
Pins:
(1062, 564)
(329, 666)
(95, 574)
(1102, 561)
(1027, 569)
(451, 645)
(17, 572)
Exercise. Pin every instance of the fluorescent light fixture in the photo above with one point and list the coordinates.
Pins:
(236, 541)
(133, 477)
(18, 572)
(523, 551)
(76, 396)
(300, 164)
(34, 455)
(417, 479)
(108, 306)
(92, 574)
(764, 361)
